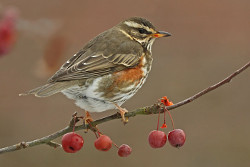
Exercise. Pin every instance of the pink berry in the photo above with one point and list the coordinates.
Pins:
(157, 139)
(124, 150)
(103, 143)
(72, 142)
(7, 30)
(176, 137)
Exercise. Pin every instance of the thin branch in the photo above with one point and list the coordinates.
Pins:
(154, 109)
(54, 144)
(210, 88)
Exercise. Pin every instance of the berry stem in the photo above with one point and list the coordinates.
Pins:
(164, 117)
(74, 123)
(97, 130)
(165, 109)
(99, 133)
(158, 120)
(115, 145)
(96, 135)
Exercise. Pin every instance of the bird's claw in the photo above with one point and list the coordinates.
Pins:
(123, 111)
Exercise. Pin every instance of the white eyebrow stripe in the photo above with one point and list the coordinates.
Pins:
(126, 34)
(136, 25)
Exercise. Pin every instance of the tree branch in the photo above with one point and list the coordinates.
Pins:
(154, 109)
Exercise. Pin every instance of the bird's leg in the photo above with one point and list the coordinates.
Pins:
(122, 112)
(88, 119)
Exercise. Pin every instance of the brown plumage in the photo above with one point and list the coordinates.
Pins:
(108, 69)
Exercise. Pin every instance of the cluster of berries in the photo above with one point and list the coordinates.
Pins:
(72, 142)
(158, 139)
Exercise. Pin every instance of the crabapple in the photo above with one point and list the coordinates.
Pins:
(157, 139)
(72, 142)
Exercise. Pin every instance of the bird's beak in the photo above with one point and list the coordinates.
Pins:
(160, 34)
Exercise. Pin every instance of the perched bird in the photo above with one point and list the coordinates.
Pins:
(108, 70)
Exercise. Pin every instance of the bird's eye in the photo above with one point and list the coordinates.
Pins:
(142, 31)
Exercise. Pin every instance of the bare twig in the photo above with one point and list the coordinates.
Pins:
(54, 144)
(154, 109)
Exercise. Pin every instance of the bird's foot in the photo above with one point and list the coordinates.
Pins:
(123, 111)
(87, 120)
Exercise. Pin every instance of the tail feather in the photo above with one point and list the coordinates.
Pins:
(49, 89)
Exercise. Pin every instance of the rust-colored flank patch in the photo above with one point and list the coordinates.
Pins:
(132, 75)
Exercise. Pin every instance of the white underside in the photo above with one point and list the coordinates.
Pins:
(89, 99)
(92, 101)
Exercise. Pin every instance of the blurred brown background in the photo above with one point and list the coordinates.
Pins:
(210, 40)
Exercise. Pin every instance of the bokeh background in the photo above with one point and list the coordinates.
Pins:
(210, 40)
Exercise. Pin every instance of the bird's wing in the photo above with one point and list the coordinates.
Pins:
(100, 57)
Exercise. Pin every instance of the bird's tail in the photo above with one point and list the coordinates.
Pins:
(49, 89)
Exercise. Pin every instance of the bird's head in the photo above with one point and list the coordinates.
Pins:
(141, 30)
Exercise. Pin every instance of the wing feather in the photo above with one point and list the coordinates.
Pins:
(101, 57)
